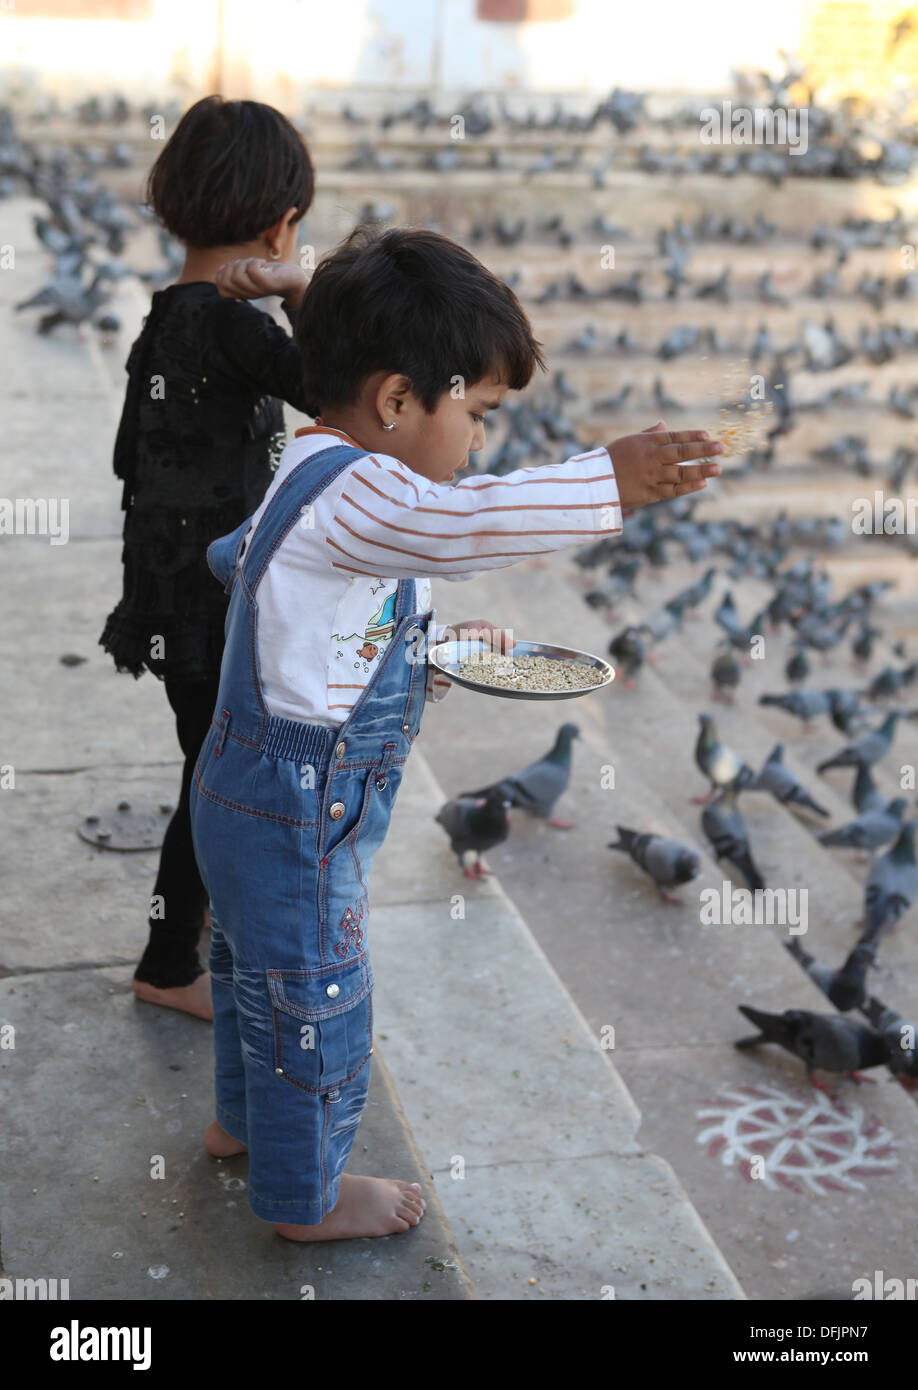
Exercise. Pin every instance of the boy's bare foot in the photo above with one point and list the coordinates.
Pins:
(190, 999)
(221, 1144)
(366, 1207)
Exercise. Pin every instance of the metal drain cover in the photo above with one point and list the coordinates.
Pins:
(131, 825)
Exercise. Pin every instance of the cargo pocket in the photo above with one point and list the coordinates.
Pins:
(323, 1024)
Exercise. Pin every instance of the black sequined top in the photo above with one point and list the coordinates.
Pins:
(200, 435)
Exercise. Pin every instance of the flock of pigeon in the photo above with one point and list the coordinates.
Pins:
(802, 603)
(840, 143)
(84, 227)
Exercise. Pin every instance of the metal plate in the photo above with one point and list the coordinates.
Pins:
(447, 657)
(129, 826)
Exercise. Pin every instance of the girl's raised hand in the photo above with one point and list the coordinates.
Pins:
(255, 277)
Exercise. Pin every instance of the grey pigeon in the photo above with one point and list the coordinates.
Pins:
(542, 783)
(866, 750)
(803, 704)
(618, 583)
(696, 593)
(845, 711)
(827, 1041)
(899, 1035)
(797, 668)
(869, 831)
(668, 862)
(661, 623)
(726, 674)
(474, 826)
(719, 764)
(845, 987)
(627, 651)
(864, 794)
(774, 777)
(723, 824)
(892, 885)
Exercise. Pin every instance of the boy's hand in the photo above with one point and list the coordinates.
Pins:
(468, 628)
(647, 465)
(254, 277)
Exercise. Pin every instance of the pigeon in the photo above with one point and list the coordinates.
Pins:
(892, 885)
(845, 987)
(661, 400)
(668, 862)
(473, 827)
(726, 673)
(616, 401)
(868, 749)
(778, 779)
(723, 824)
(618, 583)
(628, 652)
(864, 794)
(542, 783)
(738, 635)
(869, 831)
(804, 704)
(696, 593)
(797, 668)
(825, 1041)
(720, 764)
(899, 1036)
(662, 623)
(845, 710)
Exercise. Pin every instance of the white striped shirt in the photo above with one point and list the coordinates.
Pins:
(325, 603)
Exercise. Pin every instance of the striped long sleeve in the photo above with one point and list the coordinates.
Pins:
(392, 522)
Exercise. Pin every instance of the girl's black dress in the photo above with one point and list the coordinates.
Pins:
(200, 435)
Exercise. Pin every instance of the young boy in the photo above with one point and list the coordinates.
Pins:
(407, 341)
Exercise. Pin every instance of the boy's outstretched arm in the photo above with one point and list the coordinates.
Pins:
(391, 521)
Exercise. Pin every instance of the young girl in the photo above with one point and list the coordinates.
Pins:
(407, 341)
(200, 434)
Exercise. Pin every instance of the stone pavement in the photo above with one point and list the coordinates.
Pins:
(557, 1197)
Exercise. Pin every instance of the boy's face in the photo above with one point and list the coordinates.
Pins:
(438, 446)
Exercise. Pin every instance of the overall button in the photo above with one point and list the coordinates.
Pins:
(406, 728)
(333, 991)
(382, 783)
(336, 810)
(339, 751)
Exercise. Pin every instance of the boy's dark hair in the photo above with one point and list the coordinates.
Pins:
(409, 300)
(230, 170)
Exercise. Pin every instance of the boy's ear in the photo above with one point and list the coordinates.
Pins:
(392, 395)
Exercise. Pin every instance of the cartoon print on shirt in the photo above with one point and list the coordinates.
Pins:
(363, 647)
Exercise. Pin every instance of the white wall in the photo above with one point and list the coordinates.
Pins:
(283, 49)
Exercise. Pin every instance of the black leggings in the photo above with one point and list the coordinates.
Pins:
(177, 912)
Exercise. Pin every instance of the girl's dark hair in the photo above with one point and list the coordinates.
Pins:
(230, 171)
(409, 300)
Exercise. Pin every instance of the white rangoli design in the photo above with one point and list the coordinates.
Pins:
(813, 1144)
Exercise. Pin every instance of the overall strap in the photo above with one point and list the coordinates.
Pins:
(299, 489)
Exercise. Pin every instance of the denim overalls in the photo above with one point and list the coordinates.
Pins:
(286, 818)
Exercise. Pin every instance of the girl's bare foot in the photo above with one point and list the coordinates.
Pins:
(366, 1207)
(221, 1144)
(190, 999)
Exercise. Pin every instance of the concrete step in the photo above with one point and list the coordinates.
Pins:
(529, 1129)
(98, 1082)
